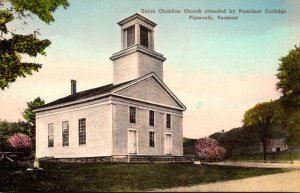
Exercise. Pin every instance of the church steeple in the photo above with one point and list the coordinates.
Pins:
(137, 30)
(137, 56)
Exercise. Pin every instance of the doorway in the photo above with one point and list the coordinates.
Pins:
(132, 142)
(168, 144)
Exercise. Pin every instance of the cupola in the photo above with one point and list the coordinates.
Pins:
(137, 56)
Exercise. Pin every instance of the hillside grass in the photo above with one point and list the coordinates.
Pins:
(109, 177)
(281, 156)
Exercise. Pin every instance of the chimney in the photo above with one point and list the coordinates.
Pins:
(73, 87)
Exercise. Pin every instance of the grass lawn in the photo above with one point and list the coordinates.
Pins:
(282, 156)
(98, 177)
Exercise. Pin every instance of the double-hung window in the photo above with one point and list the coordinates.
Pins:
(82, 131)
(51, 135)
(132, 114)
(168, 121)
(65, 133)
(151, 139)
(151, 118)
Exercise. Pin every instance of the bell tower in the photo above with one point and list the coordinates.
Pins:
(137, 56)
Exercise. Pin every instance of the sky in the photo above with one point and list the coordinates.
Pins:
(218, 69)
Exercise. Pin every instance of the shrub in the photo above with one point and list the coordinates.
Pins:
(20, 141)
(207, 149)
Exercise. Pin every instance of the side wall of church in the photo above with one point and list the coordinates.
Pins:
(98, 131)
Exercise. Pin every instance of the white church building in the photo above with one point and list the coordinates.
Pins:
(136, 115)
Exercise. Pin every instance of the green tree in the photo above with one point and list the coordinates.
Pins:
(28, 113)
(263, 116)
(238, 141)
(13, 46)
(289, 80)
(29, 116)
(289, 85)
(291, 125)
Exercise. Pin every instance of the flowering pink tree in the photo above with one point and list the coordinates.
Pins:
(207, 149)
(20, 141)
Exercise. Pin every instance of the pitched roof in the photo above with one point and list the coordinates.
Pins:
(85, 94)
(104, 90)
(137, 16)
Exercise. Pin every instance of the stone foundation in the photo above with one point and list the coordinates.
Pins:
(123, 159)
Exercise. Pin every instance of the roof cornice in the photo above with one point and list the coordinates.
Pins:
(148, 102)
(71, 103)
(137, 48)
(134, 16)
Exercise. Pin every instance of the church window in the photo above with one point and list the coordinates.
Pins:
(82, 131)
(50, 135)
(65, 133)
(168, 121)
(132, 114)
(151, 118)
(144, 36)
(151, 139)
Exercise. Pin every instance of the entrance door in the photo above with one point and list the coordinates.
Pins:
(132, 145)
(168, 144)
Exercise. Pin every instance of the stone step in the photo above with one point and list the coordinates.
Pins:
(159, 159)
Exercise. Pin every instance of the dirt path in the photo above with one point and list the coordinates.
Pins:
(283, 182)
(288, 165)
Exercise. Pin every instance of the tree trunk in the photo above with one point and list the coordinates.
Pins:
(266, 135)
(265, 150)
